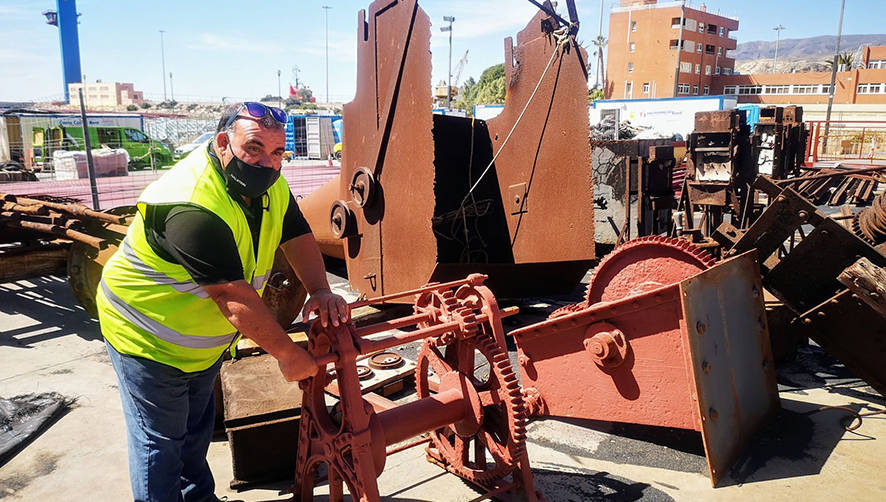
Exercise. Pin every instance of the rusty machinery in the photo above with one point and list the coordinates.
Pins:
(424, 197)
(475, 418)
(665, 338)
(779, 141)
(839, 301)
(633, 188)
(719, 172)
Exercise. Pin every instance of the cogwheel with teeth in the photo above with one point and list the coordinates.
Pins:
(494, 449)
(641, 265)
(645, 264)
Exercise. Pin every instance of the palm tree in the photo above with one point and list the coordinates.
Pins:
(600, 44)
(844, 61)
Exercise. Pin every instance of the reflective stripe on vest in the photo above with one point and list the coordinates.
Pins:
(159, 277)
(160, 331)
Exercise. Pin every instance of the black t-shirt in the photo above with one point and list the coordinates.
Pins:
(202, 243)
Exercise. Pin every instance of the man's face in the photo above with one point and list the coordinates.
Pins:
(252, 143)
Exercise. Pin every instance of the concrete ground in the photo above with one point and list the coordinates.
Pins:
(48, 343)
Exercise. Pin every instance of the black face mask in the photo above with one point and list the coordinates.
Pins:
(248, 180)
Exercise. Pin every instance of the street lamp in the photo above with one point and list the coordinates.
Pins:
(777, 40)
(171, 92)
(163, 63)
(450, 20)
(326, 13)
(279, 92)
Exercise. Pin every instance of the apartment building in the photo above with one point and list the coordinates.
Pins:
(667, 49)
(100, 95)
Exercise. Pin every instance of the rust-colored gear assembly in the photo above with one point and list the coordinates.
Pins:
(468, 412)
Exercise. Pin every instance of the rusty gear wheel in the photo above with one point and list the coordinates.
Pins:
(645, 264)
(501, 434)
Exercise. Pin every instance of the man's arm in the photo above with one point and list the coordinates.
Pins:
(304, 256)
(242, 306)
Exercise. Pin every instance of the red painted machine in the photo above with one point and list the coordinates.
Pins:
(476, 418)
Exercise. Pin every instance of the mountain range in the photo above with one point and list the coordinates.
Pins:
(799, 54)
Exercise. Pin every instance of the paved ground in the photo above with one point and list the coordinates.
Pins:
(48, 343)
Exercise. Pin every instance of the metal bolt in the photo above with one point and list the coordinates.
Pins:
(802, 214)
(700, 327)
(821, 314)
(523, 360)
(807, 321)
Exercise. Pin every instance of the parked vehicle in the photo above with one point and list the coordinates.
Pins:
(187, 148)
(141, 148)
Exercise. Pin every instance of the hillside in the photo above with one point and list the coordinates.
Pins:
(799, 54)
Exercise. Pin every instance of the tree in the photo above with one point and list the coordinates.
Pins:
(600, 45)
(490, 89)
(145, 105)
(595, 94)
(131, 108)
(845, 61)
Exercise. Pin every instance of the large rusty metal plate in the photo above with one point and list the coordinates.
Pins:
(731, 357)
(854, 333)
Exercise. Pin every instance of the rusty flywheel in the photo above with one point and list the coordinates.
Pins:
(489, 450)
(645, 264)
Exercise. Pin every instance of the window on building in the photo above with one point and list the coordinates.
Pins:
(629, 90)
(698, 48)
(825, 89)
(690, 24)
(707, 69)
(805, 89)
(709, 49)
(869, 88)
(750, 89)
(697, 69)
(719, 51)
(877, 64)
(727, 71)
(688, 46)
(683, 89)
(712, 29)
(632, 47)
(685, 67)
(776, 89)
(674, 43)
(707, 90)
(730, 89)
(722, 31)
(645, 87)
(633, 25)
(701, 27)
(630, 67)
(695, 90)
(675, 22)
(717, 70)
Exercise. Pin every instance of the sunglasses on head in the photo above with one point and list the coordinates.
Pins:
(258, 110)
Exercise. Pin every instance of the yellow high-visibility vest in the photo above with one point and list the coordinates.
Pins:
(149, 307)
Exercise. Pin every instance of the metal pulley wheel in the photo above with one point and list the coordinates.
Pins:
(385, 361)
(342, 221)
(363, 187)
(364, 372)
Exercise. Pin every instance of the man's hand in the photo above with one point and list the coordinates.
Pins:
(328, 306)
(297, 364)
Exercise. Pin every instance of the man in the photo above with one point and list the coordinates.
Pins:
(187, 281)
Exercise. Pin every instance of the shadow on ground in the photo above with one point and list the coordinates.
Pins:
(51, 311)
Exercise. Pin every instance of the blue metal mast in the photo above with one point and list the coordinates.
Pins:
(65, 17)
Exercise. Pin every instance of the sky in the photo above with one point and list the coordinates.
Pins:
(234, 49)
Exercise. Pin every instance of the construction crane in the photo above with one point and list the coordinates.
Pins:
(458, 69)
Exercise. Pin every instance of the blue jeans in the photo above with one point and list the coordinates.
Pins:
(169, 416)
